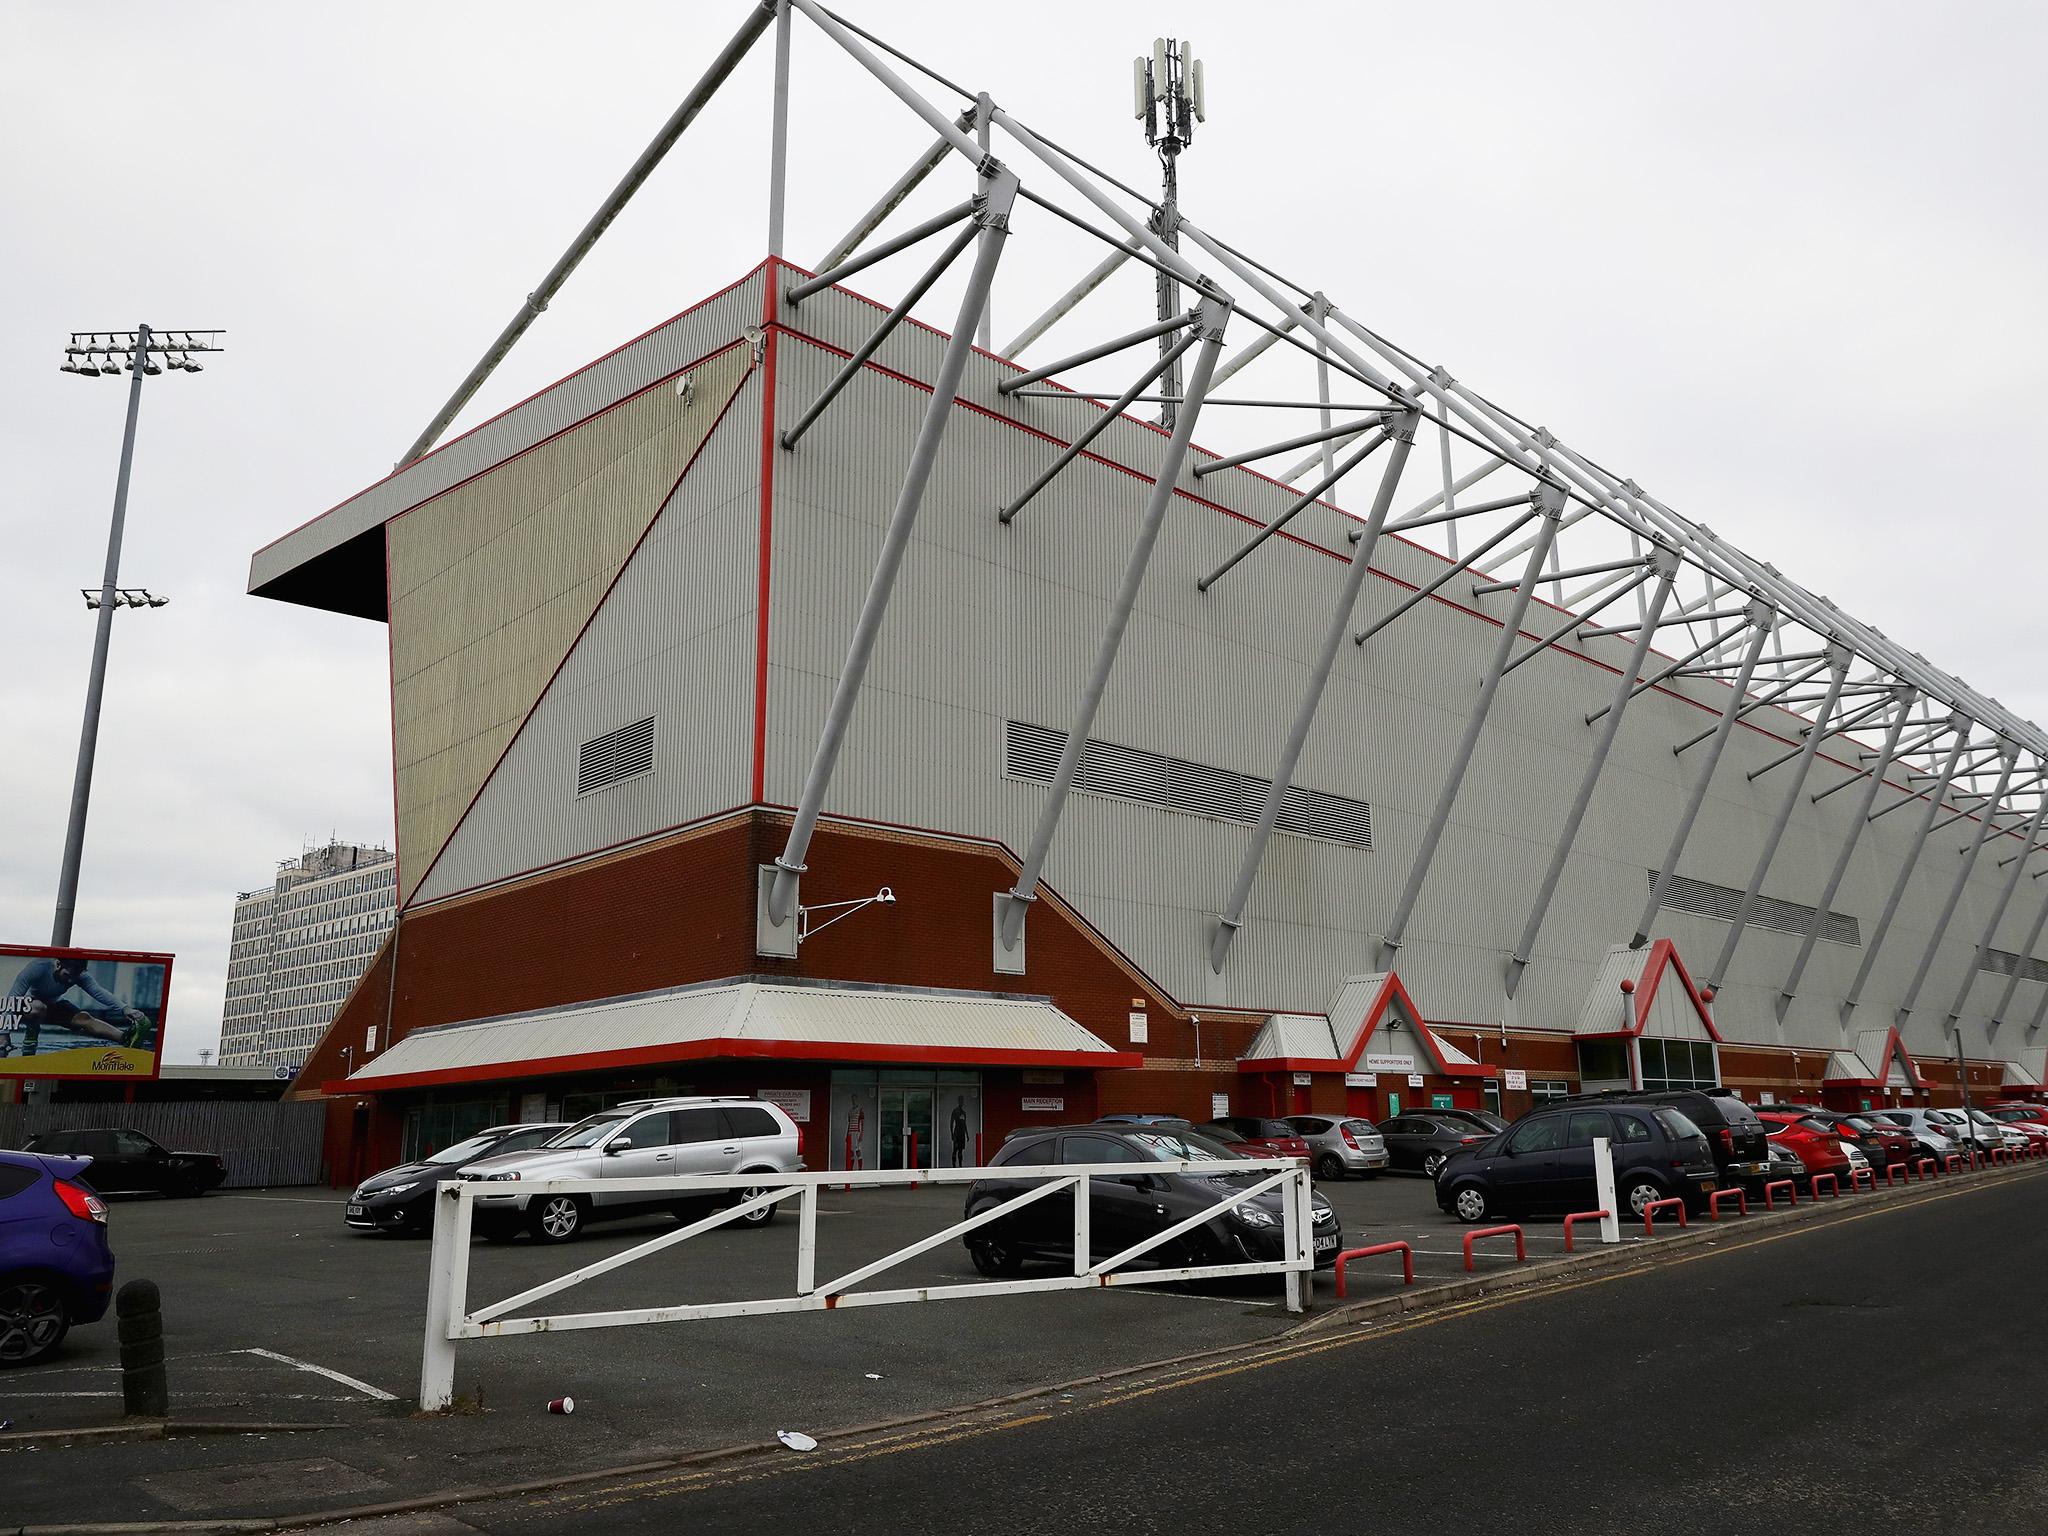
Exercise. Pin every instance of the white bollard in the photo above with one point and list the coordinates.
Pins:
(1603, 1189)
(450, 1249)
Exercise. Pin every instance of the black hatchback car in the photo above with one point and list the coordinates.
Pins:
(1742, 1149)
(1544, 1162)
(1131, 1207)
(1422, 1143)
(401, 1199)
(127, 1162)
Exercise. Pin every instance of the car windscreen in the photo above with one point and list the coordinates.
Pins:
(1676, 1124)
(1164, 1146)
(1734, 1111)
(588, 1133)
(464, 1151)
(1274, 1128)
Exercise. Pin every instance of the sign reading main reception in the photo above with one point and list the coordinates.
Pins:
(81, 1012)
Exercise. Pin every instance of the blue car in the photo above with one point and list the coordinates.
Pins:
(55, 1266)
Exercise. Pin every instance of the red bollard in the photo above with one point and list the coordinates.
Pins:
(1894, 1171)
(848, 1164)
(1650, 1213)
(1771, 1193)
(912, 1164)
(1407, 1262)
(977, 1150)
(1861, 1173)
(1521, 1249)
(1953, 1163)
(1834, 1186)
(1580, 1216)
(1924, 1169)
(1714, 1200)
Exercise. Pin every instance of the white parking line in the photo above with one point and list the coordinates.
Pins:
(320, 1370)
(1152, 1290)
(286, 1199)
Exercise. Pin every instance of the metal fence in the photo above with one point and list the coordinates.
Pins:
(264, 1143)
(451, 1317)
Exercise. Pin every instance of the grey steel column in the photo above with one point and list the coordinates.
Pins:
(1875, 942)
(1985, 818)
(2012, 983)
(96, 679)
(1839, 658)
(1215, 314)
(1402, 430)
(2012, 885)
(994, 219)
(1760, 619)
(1907, 698)
(778, 133)
(1665, 562)
(1550, 497)
(757, 21)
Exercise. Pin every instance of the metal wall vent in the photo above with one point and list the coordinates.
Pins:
(1702, 898)
(1194, 789)
(2003, 962)
(617, 755)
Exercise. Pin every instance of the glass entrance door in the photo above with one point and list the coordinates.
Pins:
(906, 1123)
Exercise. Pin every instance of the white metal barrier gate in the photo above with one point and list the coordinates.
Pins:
(450, 1318)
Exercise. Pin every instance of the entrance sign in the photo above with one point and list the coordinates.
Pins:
(793, 1102)
(1361, 1079)
(1044, 1106)
(1304, 1079)
(81, 1013)
(1439, 1101)
(1515, 1080)
(1219, 1105)
(1414, 1079)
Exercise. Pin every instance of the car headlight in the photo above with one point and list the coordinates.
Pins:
(499, 1178)
(399, 1189)
(1255, 1216)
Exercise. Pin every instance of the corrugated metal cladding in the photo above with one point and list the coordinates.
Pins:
(1194, 789)
(492, 583)
(742, 1011)
(656, 355)
(995, 623)
(673, 641)
(1703, 898)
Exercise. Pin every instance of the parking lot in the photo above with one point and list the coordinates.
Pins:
(275, 1313)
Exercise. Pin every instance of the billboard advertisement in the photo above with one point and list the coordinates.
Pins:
(81, 1012)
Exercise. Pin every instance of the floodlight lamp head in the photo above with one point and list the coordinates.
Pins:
(886, 897)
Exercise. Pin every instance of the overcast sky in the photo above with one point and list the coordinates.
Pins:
(1782, 265)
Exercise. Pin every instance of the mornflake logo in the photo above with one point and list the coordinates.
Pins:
(112, 1061)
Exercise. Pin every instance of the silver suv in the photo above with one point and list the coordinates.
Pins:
(1339, 1145)
(648, 1138)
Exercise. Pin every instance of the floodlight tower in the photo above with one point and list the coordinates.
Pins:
(1168, 99)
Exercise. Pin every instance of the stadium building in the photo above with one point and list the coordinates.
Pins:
(800, 703)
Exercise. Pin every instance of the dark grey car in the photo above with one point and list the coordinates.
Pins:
(1421, 1143)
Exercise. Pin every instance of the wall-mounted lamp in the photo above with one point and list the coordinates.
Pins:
(805, 927)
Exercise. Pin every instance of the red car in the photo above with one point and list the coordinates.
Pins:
(1256, 1136)
(1810, 1140)
(2021, 1117)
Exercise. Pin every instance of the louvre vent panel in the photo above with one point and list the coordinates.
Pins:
(615, 756)
(2003, 962)
(1194, 789)
(1702, 898)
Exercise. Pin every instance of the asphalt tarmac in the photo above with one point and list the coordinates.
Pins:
(1880, 1367)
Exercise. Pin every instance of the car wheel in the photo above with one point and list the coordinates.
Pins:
(556, 1218)
(994, 1258)
(1468, 1204)
(1638, 1193)
(497, 1231)
(33, 1319)
(761, 1217)
(1432, 1165)
(1330, 1166)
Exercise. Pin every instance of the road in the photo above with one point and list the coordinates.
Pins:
(1875, 1367)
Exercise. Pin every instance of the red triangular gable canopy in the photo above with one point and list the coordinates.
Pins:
(1632, 982)
(1893, 1050)
(1363, 1005)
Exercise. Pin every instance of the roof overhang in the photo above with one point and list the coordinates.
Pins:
(742, 1020)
